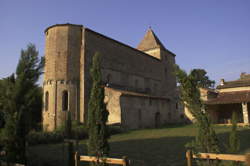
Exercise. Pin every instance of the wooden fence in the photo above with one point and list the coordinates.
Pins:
(123, 162)
(213, 156)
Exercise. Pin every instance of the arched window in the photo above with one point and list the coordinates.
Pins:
(65, 100)
(46, 101)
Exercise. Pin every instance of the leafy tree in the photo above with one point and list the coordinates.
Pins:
(201, 78)
(97, 114)
(21, 102)
(206, 139)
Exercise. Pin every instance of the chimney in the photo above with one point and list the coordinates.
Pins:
(242, 75)
(222, 81)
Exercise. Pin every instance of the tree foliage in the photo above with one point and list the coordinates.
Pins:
(234, 142)
(206, 139)
(21, 103)
(97, 114)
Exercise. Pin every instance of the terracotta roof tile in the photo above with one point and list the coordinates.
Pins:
(230, 97)
(136, 94)
(237, 83)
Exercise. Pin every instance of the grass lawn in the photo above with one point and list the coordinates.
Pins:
(147, 147)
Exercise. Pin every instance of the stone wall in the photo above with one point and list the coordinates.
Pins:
(62, 71)
(126, 68)
(68, 55)
(144, 112)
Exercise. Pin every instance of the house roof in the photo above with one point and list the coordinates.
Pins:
(230, 97)
(234, 84)
(243, 81)
(150, 41)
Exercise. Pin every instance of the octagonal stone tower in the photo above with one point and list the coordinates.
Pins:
(62, 74)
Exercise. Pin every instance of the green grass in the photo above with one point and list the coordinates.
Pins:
(148, 147)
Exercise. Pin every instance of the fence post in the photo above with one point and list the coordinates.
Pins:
(77, 159)
(189, 158)
(125, 161)
(248, 159)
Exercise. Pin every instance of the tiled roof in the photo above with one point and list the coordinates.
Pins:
(230, 97)
(150, 41)
(136, 94)
(234, 84)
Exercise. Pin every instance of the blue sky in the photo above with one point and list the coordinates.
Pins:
(209, 34)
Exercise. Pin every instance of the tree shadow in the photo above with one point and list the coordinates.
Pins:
(165, 151)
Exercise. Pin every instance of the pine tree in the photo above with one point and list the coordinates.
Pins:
(97, 114)
(21, 101)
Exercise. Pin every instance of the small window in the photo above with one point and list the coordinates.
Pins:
(65, 100)
(136, 84)
(139, 115)
(108, 78)
(150, 102)
(47, 101)
(155, 87)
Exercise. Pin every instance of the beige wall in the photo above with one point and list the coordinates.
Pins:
(234, 89)
(112, 100)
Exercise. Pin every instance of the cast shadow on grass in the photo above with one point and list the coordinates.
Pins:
(165, 151)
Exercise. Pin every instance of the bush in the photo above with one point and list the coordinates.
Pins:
(115, 129)
(79, 131)
(35, 138)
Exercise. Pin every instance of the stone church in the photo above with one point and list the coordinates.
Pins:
(140, 85)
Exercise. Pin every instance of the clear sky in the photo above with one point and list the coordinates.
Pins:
(209, 34)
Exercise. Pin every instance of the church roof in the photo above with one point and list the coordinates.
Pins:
(150, 41)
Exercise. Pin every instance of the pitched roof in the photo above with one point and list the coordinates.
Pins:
(136, 94)
(234, 84)
(150, 41)
(230, 97)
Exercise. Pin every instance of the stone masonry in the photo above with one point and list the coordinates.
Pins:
(140, 85)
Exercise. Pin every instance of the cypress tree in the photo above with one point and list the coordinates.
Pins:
(234, 142)
(97, 114)
(206, 140)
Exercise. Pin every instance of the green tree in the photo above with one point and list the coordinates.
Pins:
(206, 139)
(234, 142)
(21, 102)
(97, 114)
(233, 146)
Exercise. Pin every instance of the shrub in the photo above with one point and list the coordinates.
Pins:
(35, 138)
(79, 131)
(115, 129)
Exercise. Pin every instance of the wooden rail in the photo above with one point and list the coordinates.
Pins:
(213, 156)
(123, 162)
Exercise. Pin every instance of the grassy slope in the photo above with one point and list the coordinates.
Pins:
(149, 147)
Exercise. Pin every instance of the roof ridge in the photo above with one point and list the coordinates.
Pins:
(150, 41)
